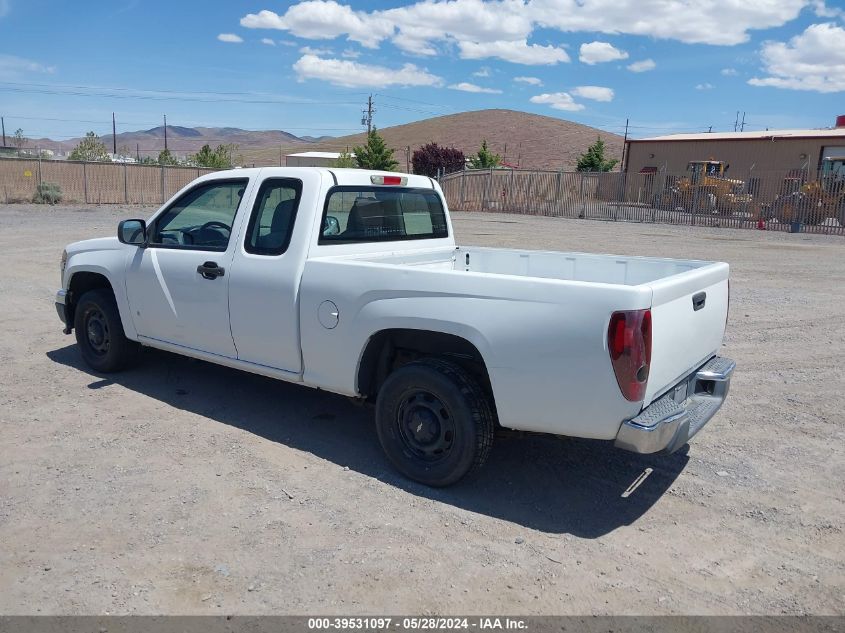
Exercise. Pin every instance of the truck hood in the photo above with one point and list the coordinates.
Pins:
(97, 244)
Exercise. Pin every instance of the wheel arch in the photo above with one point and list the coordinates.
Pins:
(82, 279)
(388, 349)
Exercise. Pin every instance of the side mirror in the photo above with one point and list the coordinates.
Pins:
(331, 226)
(132, 232)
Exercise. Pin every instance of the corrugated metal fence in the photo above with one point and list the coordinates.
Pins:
(94, 183)
(786, 201)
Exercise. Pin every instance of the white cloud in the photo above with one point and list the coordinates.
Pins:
(531, 81)
(558, 101)
(720, 23)
(813, 60)
(350, 53)
(268, 41)
(600, 52)
(823, 11)
(13, 67)
(596, 93)
(425, 27)
(484, 71)
(353, 74)
(231, 38)
(320, 52)
(642, 66)
(468, 87)
(728, 72)
(323, 20)
(516, 52)
(704, 86)
(4, 8)
(287, 43)
(415, 28)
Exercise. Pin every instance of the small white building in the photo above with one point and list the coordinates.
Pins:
(312, 159)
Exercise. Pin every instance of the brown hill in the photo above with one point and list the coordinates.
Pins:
(530, 141)
(186, 140)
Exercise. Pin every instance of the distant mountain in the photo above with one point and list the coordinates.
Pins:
(530, 141)
(188, 140)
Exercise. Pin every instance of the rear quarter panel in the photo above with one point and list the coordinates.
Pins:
(543, 341)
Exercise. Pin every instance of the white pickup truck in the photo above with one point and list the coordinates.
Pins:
(350, 281)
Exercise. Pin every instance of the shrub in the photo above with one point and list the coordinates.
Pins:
(434, 160)
(47, 193)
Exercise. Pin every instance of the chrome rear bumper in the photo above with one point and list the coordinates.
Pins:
(673, 419)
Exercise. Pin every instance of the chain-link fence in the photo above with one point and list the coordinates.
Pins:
(93, 183)
(787, 201)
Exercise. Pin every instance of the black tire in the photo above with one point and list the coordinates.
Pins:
(434, 422)
(99, 333)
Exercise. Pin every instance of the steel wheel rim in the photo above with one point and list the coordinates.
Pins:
(426, 426)
(97, 331)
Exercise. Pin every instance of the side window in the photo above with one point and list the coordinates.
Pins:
(202, 218)
(273, 215)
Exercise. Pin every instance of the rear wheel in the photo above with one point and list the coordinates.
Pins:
(99, 333)
(434, 422)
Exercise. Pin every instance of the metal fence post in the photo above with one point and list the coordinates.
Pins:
(85, 181)
(558, 191)
(162, 184)
(528, 190)
(463, 183)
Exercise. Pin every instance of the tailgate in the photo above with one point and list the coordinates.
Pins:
(688, 314)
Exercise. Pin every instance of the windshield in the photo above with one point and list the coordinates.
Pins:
(380, 214)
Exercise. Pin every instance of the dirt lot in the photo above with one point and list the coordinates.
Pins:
(183, 487)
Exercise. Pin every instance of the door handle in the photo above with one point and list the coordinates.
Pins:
(210, 270)
(698, 301)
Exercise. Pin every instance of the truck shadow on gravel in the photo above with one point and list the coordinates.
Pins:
(552, 484)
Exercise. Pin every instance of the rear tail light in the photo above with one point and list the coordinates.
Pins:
(629, 343)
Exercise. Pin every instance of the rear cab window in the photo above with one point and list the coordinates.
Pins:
(357, 213)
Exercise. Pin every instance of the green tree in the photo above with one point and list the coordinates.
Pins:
(165, 157)
(90, 149)
(345, 160)
(593, 159)
(484, 159)
(19, 139)
(220, 158)
(148, 160)
(375, 154)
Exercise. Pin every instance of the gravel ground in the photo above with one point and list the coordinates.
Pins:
(184, 487)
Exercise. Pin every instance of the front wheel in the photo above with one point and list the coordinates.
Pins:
(99, 333)
(434, 422)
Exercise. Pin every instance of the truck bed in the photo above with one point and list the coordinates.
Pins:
(683, 337)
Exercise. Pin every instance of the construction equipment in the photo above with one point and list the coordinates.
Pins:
(707, 189)
(819, 201)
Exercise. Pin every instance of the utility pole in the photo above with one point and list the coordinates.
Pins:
(3, 123)
(367, 118)
(165, 132)
(113, 135)
(408, 159)
(736, 121)
(624, 147)
(710, 129)
(742, 127)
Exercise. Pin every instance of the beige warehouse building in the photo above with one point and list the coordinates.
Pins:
(768, 166)
(746, 153)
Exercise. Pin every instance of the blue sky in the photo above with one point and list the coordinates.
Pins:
(307, 67)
